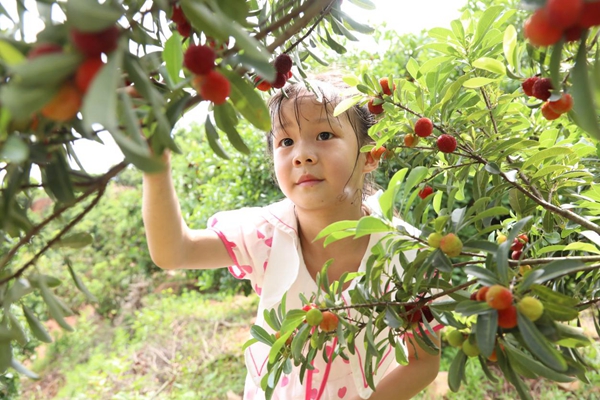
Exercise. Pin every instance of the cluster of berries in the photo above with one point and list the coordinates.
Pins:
(210, 83)
(375, 104)
(541, 88)
(67, 101)
(558, 18)
(326, 320)
(501, 299)
(450, 244)
(283, 71)
(183, 25)
(424, 128)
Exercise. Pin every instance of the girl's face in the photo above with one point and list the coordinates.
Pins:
(315, 156)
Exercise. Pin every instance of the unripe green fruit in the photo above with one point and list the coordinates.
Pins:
(455, 338)
(470, 349)
(434, 239)
(451, 245)
(314, 317)
(501, 238)
(531, 307)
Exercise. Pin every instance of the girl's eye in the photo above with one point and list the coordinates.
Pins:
(324, 135)
(286, 142)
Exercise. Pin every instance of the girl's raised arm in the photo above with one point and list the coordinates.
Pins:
(172, 244)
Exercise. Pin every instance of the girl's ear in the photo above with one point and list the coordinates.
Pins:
(371, 163)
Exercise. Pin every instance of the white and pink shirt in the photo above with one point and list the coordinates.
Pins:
(263, 243)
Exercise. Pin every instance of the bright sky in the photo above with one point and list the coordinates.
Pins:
(404, 16)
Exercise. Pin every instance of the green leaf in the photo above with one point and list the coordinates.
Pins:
(46, 70)
(346, 104)
(173, 56)
(23, 101)
(5, 356)
(248, 102)
(335, 227)
(80, 285)
(37, 328)
(555, 60)
(534, 366)
(550, 271)
(213, 139)
(584, 106)
(552, 152)
(261, 335)
(485, 331)
(491, 65)
(55, 176)
(9, 54)
(21, 369)
(469, 307)
(548, 295)
(539, 346)
(387, 199)
(368, 225)
(484, 276)
(14, 150)
(416, 176)
(478, 82)
(509, 46)
(485, 22)
(456, 373)
(226, 120)
(90, 16)
(103, 90)
(75, 240)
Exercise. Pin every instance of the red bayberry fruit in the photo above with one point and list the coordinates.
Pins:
(542, 89)
(481, 293)
(516, 255)
(446, 143)
(385, 86)
(330, 322)
(64, 105)
(184, 29)
(473, 296)
(426, 191)
(562, 105)
(374, 108)
(86, 73)
(308, 307)
(423, 127)
(377, 152)
(44, 48)
(563, 13)
(427, 314)
(92, 44)
(280, 80)
(507, 318)
(413, 317)
(199, 59)
(540, 31)
(527, 85)
(178, 16)
(283, 64)
(262, 85)
(573, 33)
(548, 113)
(517, 245)
(523, 238)
(499, 297)
(213, 87)
(289, 74)
(590, 16)
(410, 140)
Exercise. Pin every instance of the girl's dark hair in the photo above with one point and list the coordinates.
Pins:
(329, 89)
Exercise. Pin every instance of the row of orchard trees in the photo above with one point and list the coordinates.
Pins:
(124, 68)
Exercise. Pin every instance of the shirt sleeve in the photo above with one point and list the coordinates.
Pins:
(247, 236)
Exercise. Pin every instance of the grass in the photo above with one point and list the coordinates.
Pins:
(175, 347)
(189, 347)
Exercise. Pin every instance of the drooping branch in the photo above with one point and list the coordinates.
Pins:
(100, 185)
(56, 238)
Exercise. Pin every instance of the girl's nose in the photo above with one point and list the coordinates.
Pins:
(304, 155)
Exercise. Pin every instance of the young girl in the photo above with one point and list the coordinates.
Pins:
(321, 171)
